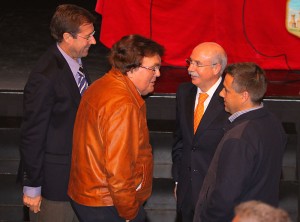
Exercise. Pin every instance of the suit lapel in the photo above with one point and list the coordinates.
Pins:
(214, 107)
(70, 83)
(86, 74)
(67, 78)
(190, 104)
(211, 112)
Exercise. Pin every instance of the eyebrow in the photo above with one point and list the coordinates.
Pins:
(197, 61)
(90, 33)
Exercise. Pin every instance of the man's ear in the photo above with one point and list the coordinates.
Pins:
(68, 37)
(130, 74)
(217, 67)
(245, 96)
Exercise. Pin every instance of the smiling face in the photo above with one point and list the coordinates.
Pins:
(83, 40)
(203, 77)
(78, 46)
(144, 78)
(203, 68)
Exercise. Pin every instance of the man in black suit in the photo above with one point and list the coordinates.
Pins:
(247, 163)
(193, 151)
(51, 98)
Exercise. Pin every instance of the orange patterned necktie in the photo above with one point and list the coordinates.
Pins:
(199, 110)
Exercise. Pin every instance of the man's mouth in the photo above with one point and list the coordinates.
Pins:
(193, 75)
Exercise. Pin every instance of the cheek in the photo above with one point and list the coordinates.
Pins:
(148, 83)
(143, 84)
(148, 79)
(196, 81)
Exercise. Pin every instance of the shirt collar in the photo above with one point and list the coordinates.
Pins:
(239, 113)
(73, 64)
(212, 89)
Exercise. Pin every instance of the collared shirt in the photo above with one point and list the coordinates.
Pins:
(210, 93)
(73, 64)
(32, 191)
(239, 113)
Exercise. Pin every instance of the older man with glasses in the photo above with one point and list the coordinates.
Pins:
(112, 155)
(200, 119)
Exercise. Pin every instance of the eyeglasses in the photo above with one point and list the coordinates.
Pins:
(154, 69)
(87, 37)
(197, 63)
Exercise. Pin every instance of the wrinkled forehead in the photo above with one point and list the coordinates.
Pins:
(151, 60)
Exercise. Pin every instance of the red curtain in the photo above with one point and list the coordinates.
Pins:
(248, 30)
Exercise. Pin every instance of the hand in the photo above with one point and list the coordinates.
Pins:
(127, 220)
(34, 203)
(175, 191)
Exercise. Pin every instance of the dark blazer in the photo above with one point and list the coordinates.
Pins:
(246, 166)
(51, 99)
(191, 153)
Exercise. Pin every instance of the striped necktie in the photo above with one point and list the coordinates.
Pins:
(82, 83)
(199, 111)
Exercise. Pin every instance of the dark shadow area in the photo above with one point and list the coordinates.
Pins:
(25, 36)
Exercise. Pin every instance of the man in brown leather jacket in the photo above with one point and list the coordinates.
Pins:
(111, 172)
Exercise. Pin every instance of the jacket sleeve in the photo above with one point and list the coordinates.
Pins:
(177, 145)
(122, 147)
(38, 102)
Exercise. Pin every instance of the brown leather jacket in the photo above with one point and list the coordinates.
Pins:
(111, 159)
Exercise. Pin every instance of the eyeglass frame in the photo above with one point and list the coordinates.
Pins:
(196, 63)
(154, 69)
(88, 38)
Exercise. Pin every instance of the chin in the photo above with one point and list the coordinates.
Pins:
(195, 81)
(229, 111)
(147, 92)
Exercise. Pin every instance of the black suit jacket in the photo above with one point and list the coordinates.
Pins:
(246, 166)
(191, 153)
(51, 99)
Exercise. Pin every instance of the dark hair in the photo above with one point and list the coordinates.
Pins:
(68, 18)
(129, 51)
(248, 77)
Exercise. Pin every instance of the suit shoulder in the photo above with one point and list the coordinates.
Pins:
(49, 63)
(185, 87)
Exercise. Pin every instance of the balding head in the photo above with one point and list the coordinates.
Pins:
(211, 51)
(206, 64)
